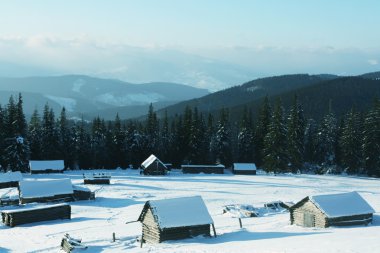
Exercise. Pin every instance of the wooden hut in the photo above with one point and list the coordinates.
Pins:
(244, 169)
(173, 219)
(48, 166)
(153, 166)
(10, 179)
(35, 214)
(343, 209)
(97, 178)
(45, 190)
(206, 169)
(83, 193)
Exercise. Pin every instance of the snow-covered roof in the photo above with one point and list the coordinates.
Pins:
(180, 212)
(47, 165)
(10, 176)
(343, 204)
(150, 160)
(98, 175)
(33, 208)
(244, 166)
(202, 166)
(45, 188)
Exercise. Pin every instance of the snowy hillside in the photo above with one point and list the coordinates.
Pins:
(123, 199)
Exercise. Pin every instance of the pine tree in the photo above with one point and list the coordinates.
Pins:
(119, 145)
(20, 118)
(223, 149)
(328, 138)
(350, 143)
(276, 159)
(152, 131)
(66, 146)
(199, 144)
(82, 141)
(295, 136)
(371, 140)
(17, 154)
(135, 145)
(165, 139)
(49, 136)
(311, 142)
(35, 136)
(262, 130)
(98, 143)
(245, 138)
(177, 150)
(11, 128)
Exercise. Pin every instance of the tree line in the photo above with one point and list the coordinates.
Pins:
(275, 140)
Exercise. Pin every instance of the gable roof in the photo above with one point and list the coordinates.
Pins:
(152, 158)
(45, 188)
(342, 204)
(178, 212)
(10, 176)
(47, 165)
(244, 166)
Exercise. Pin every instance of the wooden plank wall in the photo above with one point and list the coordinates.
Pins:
(18, 217)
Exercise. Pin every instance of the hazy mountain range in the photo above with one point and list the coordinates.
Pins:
(89, 96)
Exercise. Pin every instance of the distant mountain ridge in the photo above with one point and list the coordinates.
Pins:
(248, 92)
(87, 95)
(313, 91)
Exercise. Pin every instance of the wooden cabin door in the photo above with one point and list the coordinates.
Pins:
(309, 220)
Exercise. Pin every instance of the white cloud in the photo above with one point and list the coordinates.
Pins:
(373, 62)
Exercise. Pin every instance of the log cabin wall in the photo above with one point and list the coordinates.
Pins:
(298, 214)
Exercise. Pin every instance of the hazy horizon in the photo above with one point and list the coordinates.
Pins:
(208, 44)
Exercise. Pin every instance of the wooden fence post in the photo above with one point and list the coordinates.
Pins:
(241, 225)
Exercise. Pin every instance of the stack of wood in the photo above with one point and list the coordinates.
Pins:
(96, 178)
(29, 215)
(82, 193)
(69, 244)
(9, 201)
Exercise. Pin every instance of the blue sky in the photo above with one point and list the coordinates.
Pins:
(306, 36)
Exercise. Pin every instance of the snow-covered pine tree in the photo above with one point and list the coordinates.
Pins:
(350, 143)
(245, 138)
(223, 148)
(21, 125)
(328, 138)
(152, 131)
(16, 154)
(371, 140)
(35, 136)
(276, 159)
(311, 142)
(135, 144)
(199, 143)
(295, 135)
(11, 119)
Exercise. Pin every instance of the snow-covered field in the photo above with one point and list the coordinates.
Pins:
(122, 201)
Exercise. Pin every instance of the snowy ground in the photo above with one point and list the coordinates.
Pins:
(122, 201)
